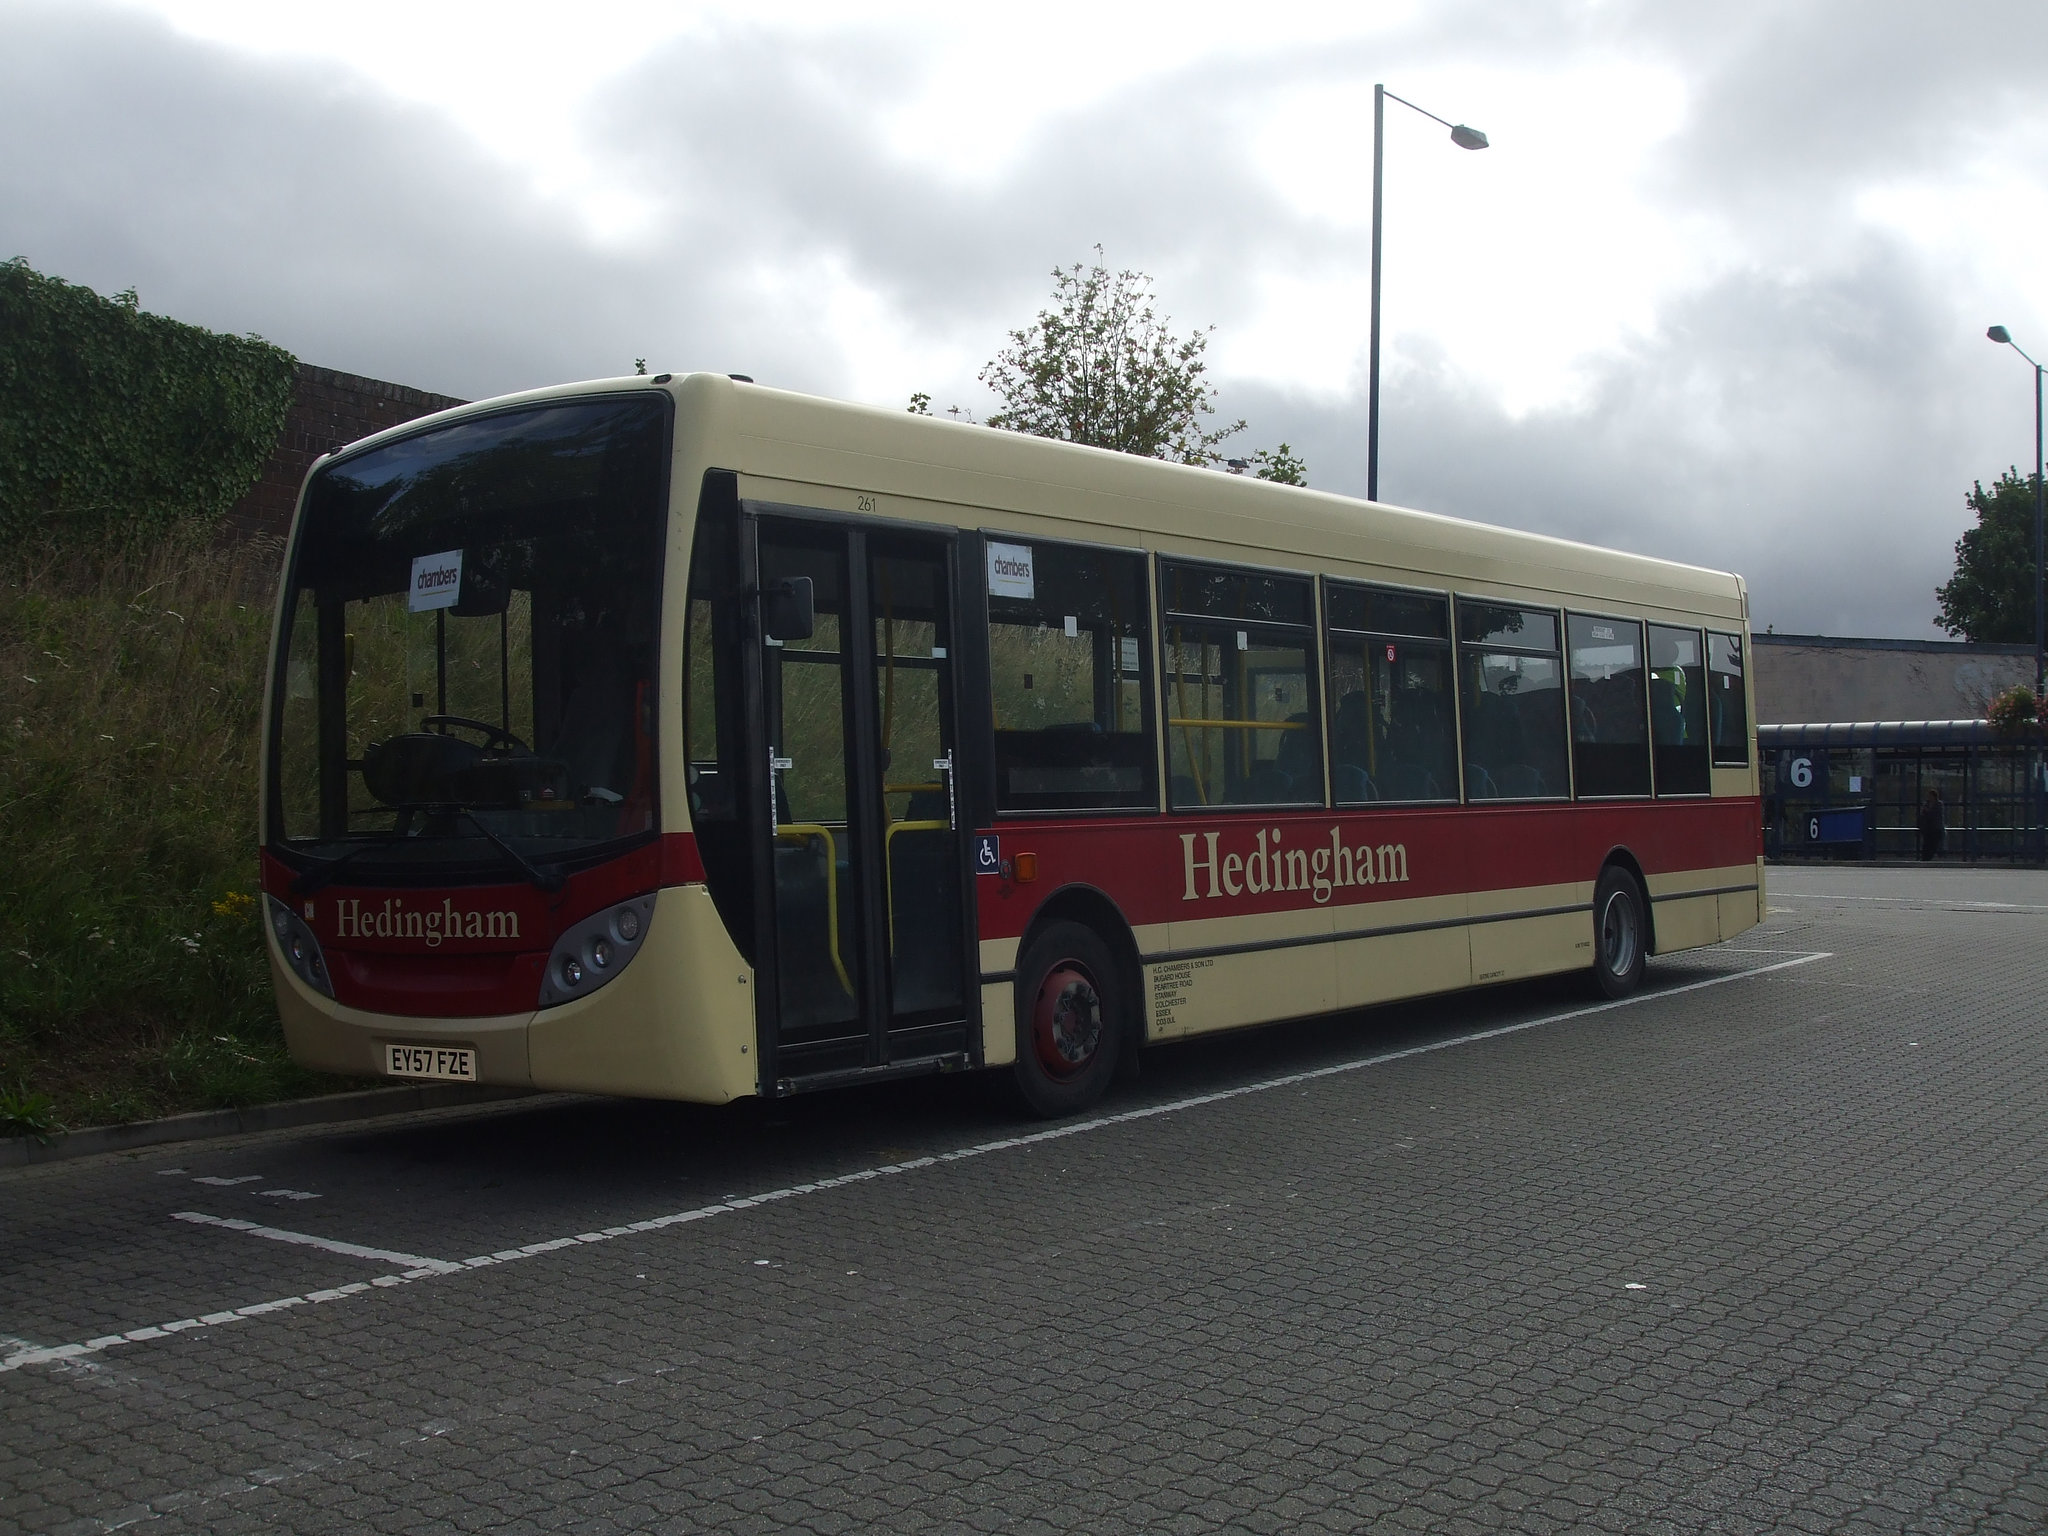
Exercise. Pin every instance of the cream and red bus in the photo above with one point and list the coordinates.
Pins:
(679, 737)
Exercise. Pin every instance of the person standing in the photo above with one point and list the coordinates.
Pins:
(1933, 826)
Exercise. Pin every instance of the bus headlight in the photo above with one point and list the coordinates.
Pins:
(298, 947)
(595, 950)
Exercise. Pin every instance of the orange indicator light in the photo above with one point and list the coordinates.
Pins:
(1026, 867)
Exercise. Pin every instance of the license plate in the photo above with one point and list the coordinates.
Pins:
(454, 1063)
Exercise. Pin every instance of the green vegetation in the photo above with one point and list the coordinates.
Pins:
(117, 422)
(2014, 710)
(132, 978)
(1103, 367)
(133, 982)
(1991, 595)
(1281, 465)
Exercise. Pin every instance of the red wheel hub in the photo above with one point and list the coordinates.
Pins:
(1066, 1021)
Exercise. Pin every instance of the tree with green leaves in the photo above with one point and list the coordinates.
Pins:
(1280, 465)
(1991, 595)
(1103, 367)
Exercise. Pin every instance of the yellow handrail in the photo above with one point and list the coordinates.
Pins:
(1245, 725)
(1180, 689)
(803, 831)
(890, 869)
(911, 789)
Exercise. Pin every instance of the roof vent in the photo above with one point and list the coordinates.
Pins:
(741, 378)
(663, 378)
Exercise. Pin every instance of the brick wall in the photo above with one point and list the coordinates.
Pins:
(329, 410)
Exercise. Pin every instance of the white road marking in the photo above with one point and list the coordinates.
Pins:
(411, 1261)
(288, 1194)
(424, 1269)
(1940, 902)
(220, 1183)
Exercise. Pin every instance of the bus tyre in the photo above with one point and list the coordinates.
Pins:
(1070, 1020)
(1619, 933)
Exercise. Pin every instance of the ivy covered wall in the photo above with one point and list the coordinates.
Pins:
(115, 423)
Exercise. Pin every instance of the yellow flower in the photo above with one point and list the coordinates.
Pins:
(234, 904)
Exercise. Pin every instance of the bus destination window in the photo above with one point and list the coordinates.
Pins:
(1727, 701)
(1393, 725)
(1069, 677)
(1610, 724)
(1242, 726)
(1513, 698)
(1678, 710)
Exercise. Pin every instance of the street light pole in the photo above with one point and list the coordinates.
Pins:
(1464, 138)
(2003, 337)
(1372, 366)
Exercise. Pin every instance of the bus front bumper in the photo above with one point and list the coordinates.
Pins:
(332, 1037)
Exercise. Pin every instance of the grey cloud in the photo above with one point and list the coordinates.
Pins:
(1811, 419)
(762, 154)
(360, 232)
(1796, 109)
(1763, 429)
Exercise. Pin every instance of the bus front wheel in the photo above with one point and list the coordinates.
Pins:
(1620, 933)
(1070, 1020)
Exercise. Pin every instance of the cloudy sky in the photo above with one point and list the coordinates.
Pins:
(1718, 291)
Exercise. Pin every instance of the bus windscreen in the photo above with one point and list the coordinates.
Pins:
(466, 678)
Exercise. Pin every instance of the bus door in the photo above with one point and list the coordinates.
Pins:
(864, 934)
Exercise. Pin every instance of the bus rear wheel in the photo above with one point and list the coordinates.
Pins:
(1070, 1020)
(1620, 933)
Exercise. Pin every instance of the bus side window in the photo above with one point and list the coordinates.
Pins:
(1513, 699)
(1610, 732)
(1070, 677)
(1727, 702)
(1678, 710)
(1243, 712)
(1393, 726)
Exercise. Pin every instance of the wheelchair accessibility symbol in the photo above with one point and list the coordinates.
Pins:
(988, 854)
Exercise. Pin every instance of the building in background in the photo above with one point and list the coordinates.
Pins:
(1825, 677)
(1853, 733)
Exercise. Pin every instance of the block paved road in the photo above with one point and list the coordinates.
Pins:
(1765, 1249)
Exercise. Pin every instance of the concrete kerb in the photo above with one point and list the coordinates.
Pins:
(295, 1114)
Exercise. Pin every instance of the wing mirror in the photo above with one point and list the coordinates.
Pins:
(788, 609)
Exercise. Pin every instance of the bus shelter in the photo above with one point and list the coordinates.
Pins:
(1854, 790)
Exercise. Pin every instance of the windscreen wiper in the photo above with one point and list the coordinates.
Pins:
(546, 879)
(308, 881)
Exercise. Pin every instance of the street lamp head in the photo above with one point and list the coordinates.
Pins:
(1468, 138)
(2001, 335)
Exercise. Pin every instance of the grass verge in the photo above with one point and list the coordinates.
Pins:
(132, 975)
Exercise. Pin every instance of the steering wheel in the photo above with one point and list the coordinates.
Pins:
(492, 733)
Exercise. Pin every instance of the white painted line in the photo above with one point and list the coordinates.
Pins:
(327, 1244)
(1943, 903)
(247, 1178)
(425, 1269)
(288, 1194)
